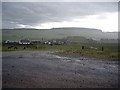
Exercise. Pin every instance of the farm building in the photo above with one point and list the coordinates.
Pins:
(25, 41)
(55, 42)
(10, 41)
(35, 42)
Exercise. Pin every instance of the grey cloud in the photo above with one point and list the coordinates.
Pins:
(31, 13)
(0, 15)
(60, 1)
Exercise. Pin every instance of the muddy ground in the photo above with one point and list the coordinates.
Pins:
(46, 70)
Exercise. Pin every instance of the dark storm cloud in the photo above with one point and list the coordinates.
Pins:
(31, 13)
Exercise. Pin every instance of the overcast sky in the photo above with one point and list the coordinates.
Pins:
(99, 15)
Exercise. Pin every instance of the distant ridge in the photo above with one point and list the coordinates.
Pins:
(95, 34)
(61, 28)
(75, 28)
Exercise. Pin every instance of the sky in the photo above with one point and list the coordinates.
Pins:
(46, 15)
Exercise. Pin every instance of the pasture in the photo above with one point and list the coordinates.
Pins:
(93, 50)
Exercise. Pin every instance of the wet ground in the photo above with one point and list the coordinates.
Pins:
(46, 70)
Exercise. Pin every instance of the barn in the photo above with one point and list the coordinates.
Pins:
(25, 42)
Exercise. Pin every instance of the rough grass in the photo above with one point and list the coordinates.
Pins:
(75, 50)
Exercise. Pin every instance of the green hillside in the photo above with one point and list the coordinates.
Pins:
(16, 34)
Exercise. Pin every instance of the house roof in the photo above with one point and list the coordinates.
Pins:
(24, 41)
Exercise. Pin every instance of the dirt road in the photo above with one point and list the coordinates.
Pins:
(46, 70)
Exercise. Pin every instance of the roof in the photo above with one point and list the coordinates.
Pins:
(24, 41)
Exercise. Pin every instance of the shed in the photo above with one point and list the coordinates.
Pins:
(25, 41)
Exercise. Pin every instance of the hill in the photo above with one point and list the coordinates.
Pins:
(54, 33)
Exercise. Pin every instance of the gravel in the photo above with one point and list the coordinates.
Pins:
(42, 69)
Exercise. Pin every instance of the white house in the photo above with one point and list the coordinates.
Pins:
(10, 41)
(25, 42)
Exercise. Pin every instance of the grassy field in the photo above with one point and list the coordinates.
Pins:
(93, 50)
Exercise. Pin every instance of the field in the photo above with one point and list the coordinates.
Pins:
(93, 50)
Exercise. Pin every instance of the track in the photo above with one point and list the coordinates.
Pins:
(46, 70)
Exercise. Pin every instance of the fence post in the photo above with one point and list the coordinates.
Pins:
(82, 47)
(102, 48)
